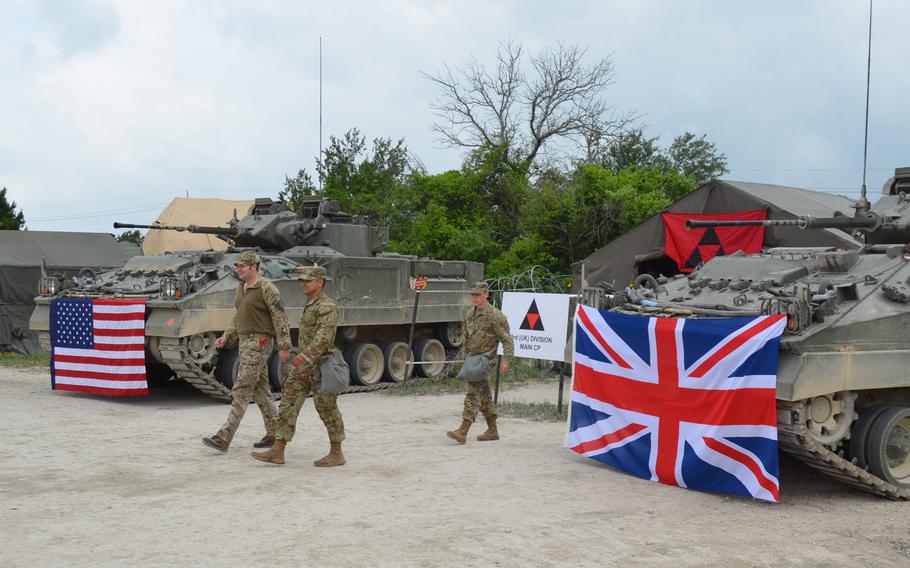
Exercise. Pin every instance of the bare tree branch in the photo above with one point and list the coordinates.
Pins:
(563, 98)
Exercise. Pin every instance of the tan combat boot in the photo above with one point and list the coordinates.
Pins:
(460, 435)
(492, 433)
(274, 455)
(333, 458)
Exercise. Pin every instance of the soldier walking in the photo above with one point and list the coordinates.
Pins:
(484, 327)
(318, 324)
(259, 322)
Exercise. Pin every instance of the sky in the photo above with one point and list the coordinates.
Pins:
(109, 109)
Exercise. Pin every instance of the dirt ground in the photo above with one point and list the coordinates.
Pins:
(87, 480)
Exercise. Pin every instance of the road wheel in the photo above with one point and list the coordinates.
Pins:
(450, 334)
(888, 447)
(859, 436)
(227, 366)
(366, 362)
(396, 360)
(433, 355)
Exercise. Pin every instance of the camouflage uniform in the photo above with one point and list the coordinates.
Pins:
(260, 323)
(484, 328)
(317, 338)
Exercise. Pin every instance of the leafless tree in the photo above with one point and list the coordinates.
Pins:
(526, 102)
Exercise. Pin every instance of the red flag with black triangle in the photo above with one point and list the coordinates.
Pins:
(532, 319)
(692, 247)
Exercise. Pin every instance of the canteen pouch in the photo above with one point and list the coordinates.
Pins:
(475, 368)
(334, 373)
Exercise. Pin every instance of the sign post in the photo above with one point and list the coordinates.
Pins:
(417, 284)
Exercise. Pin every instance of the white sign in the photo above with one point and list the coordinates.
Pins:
(538, 324)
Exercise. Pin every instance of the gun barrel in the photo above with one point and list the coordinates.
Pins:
(225, 231)
(868, 221)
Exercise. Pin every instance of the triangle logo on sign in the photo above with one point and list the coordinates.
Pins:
(532, 319)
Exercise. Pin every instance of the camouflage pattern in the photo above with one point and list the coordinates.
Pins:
(252, 383)
(271, 297)
(318, 324)
(310, 272)
(479, 397)
(248, 258)
(480, 288)
(483, 328)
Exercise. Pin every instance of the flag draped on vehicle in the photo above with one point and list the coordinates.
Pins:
(683, 402)
(98, 346)
(693, 247)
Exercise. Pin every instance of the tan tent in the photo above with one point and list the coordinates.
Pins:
(641, 249)
(189, 211)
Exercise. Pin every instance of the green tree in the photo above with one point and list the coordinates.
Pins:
(579, 212)
(296, 188)
(9, 217)
(633, 148)
(133, 236)
(697, 158)
(688, 154)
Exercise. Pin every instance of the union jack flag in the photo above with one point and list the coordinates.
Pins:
(687, 402)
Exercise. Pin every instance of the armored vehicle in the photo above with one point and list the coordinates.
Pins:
(843, 384)
(190, 296)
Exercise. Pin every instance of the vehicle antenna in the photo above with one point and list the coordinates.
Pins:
(862, 206)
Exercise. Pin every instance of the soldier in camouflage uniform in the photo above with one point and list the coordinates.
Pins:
(260, 323)
(318, 324)
(484, 327)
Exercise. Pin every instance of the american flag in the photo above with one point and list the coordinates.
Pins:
(683, 402)
(98, 346)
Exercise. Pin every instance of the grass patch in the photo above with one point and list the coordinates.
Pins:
(520, 373)
(24, 361)
(534, 411)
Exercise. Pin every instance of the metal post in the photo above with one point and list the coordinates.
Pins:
(498, 366)
(410, 365)
(562, 380)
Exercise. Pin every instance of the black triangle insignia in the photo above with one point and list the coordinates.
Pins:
(709, 238)
(532, 319)
(694, 259)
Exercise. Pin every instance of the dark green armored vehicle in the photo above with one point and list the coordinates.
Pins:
(190, 296)
(843, 385)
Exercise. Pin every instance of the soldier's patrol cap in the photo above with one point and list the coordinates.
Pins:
(480, 288)
(310, 272)
(248, 258)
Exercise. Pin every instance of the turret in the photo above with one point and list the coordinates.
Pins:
(270, 226)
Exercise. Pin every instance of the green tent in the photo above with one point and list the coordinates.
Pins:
(65, 255)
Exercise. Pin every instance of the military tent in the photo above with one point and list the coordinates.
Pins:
(65, 254)
(641, 250)
(190, 211)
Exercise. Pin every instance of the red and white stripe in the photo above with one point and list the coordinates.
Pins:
(116, 365)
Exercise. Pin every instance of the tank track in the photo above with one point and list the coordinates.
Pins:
(175, 355)
(795, 439)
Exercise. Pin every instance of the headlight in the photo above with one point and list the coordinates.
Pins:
(169, 289)
(48, 286)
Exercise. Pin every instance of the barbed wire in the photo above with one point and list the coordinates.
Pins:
(537, 279)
